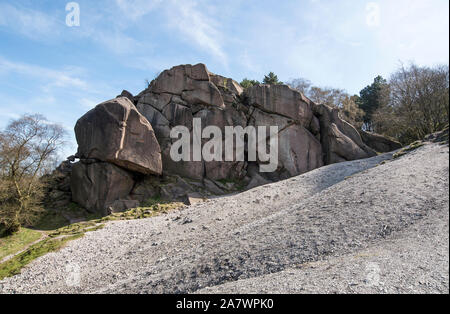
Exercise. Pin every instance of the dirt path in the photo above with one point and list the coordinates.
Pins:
(43, 236)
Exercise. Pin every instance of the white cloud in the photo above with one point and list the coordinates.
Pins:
(186, 18)
(197, 27)
(41, 26)
(29, 22)
(135, 9)
(50, 77)
(415, 30)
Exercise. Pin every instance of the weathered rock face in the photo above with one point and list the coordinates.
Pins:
(97, 185)
(178, 96)
(116, 132)
(378, 142)
(125, 143)
(58, 192)
(298, 150)
(283, 101)
(340, 140)
(438, 137)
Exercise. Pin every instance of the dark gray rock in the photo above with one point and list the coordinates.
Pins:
(378, 142)
(94, 186)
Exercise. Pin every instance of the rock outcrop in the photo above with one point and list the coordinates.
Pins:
(116, 132)
(124, 144)
(178, 96)
(379, 143)
(58, 192)
(340, 140)
(282, 101)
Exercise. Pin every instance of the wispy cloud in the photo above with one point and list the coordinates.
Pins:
(199, 28)
(49, 77)
(186, 18)
(41, 26)
(28, 22)
(135, 9)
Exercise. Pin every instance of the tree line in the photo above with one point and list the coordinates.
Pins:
(412, 103)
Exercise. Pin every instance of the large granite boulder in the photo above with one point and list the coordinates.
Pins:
(340, 140)
(115, 131)
(191, 83)
(97, 185)
(378, 142)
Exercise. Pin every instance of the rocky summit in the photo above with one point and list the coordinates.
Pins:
(124, 144)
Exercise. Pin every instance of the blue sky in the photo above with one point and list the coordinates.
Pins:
(47, 67)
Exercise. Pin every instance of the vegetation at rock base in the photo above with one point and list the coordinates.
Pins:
(409, 148)
(14, 265)
(15, 242)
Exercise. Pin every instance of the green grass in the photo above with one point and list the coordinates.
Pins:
(14, 243)
(76, 228)
(14, 265)
(51, 221)
(59, 232)
(150, 208)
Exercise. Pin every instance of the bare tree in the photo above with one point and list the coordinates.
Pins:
(351, 112)
(333, 97)
(419, 103)
(301, 84)
(28, 149)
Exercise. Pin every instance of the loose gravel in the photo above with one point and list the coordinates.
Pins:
(375, 225)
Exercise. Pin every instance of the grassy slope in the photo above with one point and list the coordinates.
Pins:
(16, 242)
(59, 232)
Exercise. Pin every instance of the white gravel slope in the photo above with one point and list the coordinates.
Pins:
(384, 229)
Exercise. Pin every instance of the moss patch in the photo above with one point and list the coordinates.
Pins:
(407, 149)
(77, 228)
(15, 264)
(150, 208)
